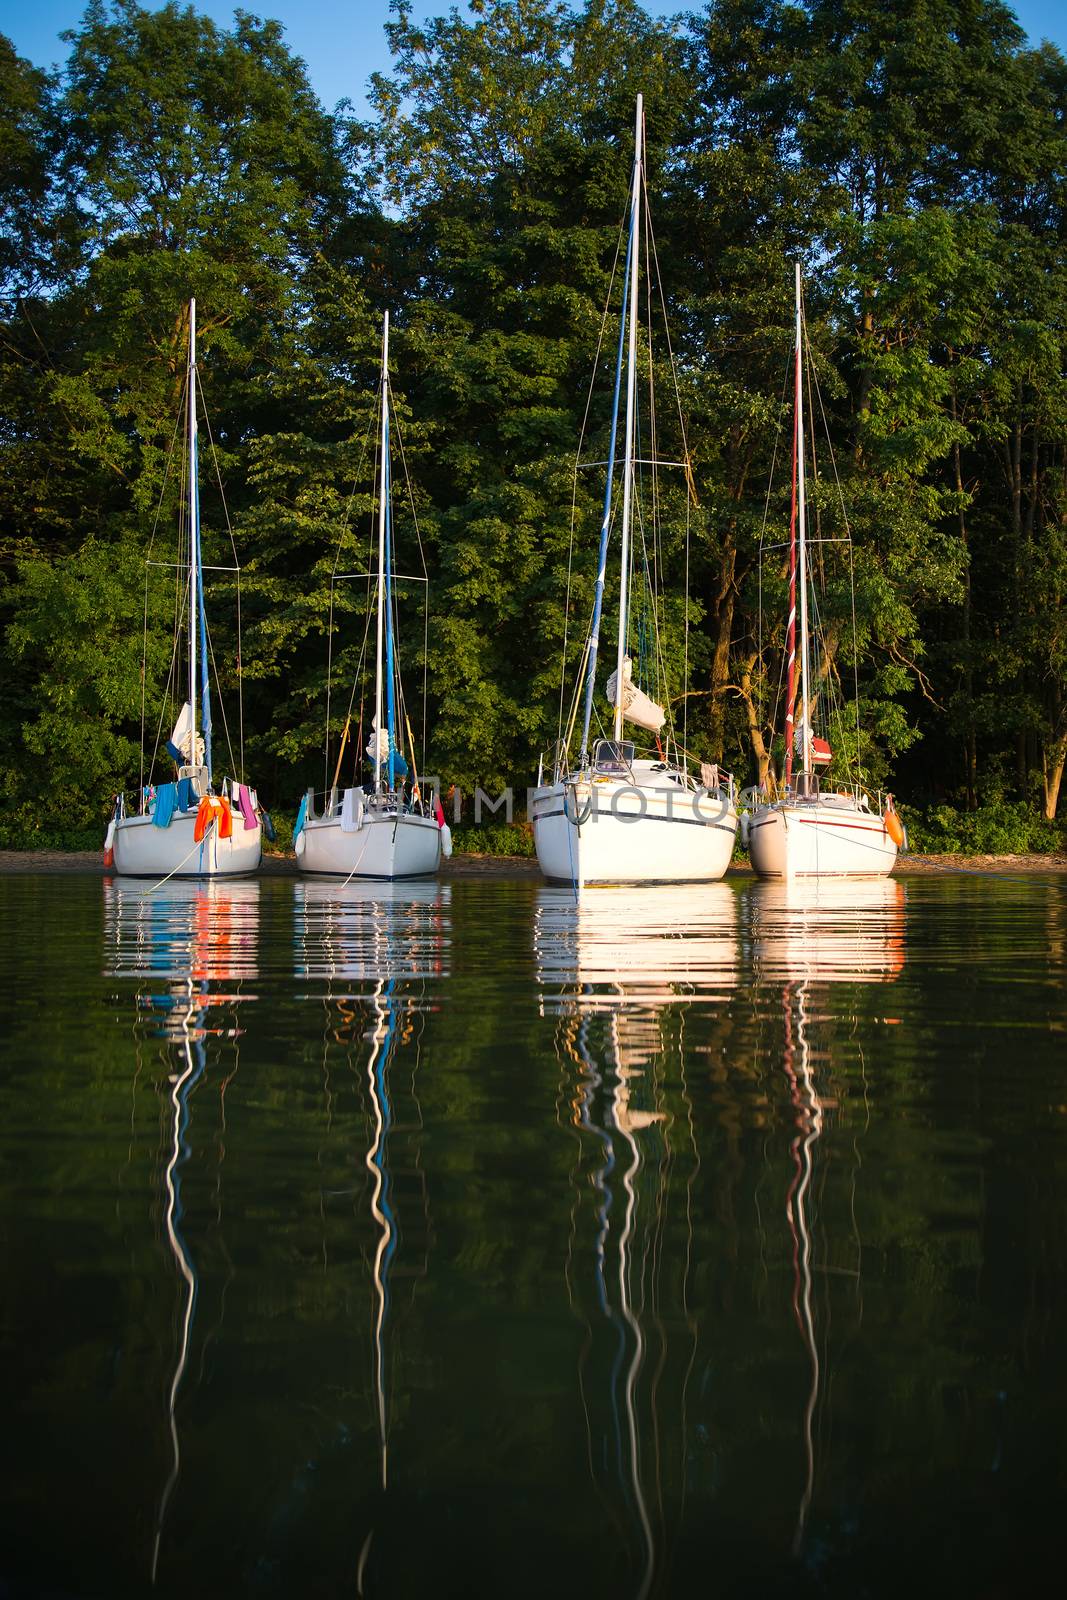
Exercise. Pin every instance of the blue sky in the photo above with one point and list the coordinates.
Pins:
(343, 41)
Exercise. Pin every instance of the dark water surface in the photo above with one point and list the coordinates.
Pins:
(454, 1241)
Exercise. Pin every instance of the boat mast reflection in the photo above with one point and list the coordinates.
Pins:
(620, 970)
(196, 936)
(379, 948)
(806, 934)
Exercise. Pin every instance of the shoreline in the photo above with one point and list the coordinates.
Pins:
(469, 866)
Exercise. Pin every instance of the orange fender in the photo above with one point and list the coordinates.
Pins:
(893, 826)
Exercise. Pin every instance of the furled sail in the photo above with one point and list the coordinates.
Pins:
(636, 705)
(821, 754)
(381, 739)
(179, 745)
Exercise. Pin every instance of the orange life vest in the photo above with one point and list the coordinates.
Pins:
(213, 808)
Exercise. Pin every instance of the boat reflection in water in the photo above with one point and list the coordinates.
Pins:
(364, 931)
(621, 971)
(620, 948)
(186, 939)
(806, 934)
(669, 1107)
(380, 947)
(826, 930)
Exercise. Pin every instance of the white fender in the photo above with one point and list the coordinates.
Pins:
(446, 840)
(301, 841)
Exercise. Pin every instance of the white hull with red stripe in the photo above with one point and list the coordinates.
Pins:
(827, 837)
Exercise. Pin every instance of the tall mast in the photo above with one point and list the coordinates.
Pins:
(805, 709)
(390, 653)
(194, 529)
(382, 502)
(631, 389)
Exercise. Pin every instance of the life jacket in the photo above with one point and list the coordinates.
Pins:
(215, 808)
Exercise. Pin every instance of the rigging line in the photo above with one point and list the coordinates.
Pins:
(686, 458)
(237, 566)
(808, 365)
(828, 682)
(660, 668)
(167, 469)
(240, 685)
(329, 681)
(425, 663)
(144, 678)
(425, 572)
(197, 845)
(372, 419)
(657, 545)
(394, 425)
(360, 661)
(790, 359)
(167, 464)
(574, 503)
(222, 702)
(179, 613)
(851, 571)
(652, 433)
(366, 620)
(180, 596)
(333, 574)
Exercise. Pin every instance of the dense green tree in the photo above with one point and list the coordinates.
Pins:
(912, 159)
(188, 161)
(509, 138)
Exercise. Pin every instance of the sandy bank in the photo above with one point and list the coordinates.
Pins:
(471, 866)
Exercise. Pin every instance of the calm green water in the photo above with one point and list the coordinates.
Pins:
(455, 1241)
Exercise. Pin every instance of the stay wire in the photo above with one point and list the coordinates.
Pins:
(851, 569)
(237, 570)
(342, 531)
(574, 505)
(425, 574)
(148, 556)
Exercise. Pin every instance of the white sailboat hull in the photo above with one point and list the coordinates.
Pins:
(383, 846)
(832, 836)
(144, 851)
(610, 832)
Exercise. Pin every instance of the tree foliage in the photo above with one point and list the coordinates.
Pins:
(911, 157)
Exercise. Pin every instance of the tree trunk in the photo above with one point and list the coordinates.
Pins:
(755, 732)
(1052, 762)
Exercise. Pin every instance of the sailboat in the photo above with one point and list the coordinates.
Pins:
(184, 828)
(614, 815)
(807, 829)
(384, 831)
